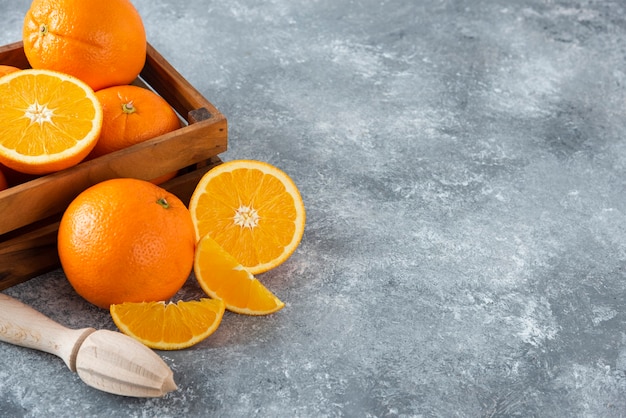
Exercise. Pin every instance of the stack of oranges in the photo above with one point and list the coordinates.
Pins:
(77, 101)
(128, 245)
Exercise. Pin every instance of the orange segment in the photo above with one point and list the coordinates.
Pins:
(252, 209)
(169, 326)
(221, 276)
(48, 121)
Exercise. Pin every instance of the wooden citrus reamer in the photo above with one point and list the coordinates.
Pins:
(106, 360)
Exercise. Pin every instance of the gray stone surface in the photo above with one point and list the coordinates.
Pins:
(463, 165)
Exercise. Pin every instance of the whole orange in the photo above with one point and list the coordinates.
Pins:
(102, 42)
(126, 240)
(132, 115)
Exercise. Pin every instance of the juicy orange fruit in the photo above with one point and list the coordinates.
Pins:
(48, 121)
(221, 276)
(133, 114)
(252, 209)
(126, 240)
(7, 69)
(102, 42)
(169, 326)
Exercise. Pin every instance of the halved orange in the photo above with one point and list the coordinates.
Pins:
(48, 121)
(252, 209)
(170, 326)
(221, 276)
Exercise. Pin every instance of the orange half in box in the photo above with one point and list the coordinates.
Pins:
(30, 212)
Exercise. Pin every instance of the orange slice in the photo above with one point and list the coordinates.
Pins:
(252, 209)
(169, 326)
(48, 121)
(221, 276)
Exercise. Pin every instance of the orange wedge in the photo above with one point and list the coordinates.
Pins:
(221, 276)
(252, 209)
(170, 326)
(48, 121)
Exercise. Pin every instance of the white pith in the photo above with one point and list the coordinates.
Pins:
(246, 217)
(40, 114)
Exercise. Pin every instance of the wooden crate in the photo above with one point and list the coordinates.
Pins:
(30, 211)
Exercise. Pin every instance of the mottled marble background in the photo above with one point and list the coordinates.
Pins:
(462, 164)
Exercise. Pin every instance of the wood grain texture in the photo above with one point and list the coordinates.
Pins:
(24, 326)
(107, 360)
